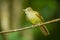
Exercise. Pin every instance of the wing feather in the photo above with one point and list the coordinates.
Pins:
(37, 14)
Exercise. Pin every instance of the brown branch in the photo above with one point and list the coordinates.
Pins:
(29, 27)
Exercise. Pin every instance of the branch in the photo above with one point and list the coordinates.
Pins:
(32, 26)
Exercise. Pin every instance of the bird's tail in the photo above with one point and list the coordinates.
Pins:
(44, 30)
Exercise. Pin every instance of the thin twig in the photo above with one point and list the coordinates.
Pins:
(29, 27)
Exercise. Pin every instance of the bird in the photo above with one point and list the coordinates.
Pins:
(34, 17)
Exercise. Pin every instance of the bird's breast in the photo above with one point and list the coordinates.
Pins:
(33, 18)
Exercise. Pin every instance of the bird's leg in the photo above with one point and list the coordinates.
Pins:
(33, 25)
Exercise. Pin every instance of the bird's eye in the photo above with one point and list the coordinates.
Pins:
(28, 9)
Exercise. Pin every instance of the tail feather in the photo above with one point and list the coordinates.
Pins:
(44, 30)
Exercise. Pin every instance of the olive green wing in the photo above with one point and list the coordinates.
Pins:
(37, 14)
(43, 28)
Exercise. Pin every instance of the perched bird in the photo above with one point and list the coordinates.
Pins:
(35, 18)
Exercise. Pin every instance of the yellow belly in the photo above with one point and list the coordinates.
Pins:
(34, 19)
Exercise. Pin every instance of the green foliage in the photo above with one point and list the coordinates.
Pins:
(49, 9)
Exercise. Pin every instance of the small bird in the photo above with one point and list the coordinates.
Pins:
(35, 18)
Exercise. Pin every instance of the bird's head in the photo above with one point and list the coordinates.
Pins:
(28, 9)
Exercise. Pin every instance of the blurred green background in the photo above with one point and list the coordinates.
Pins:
(12, 17)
